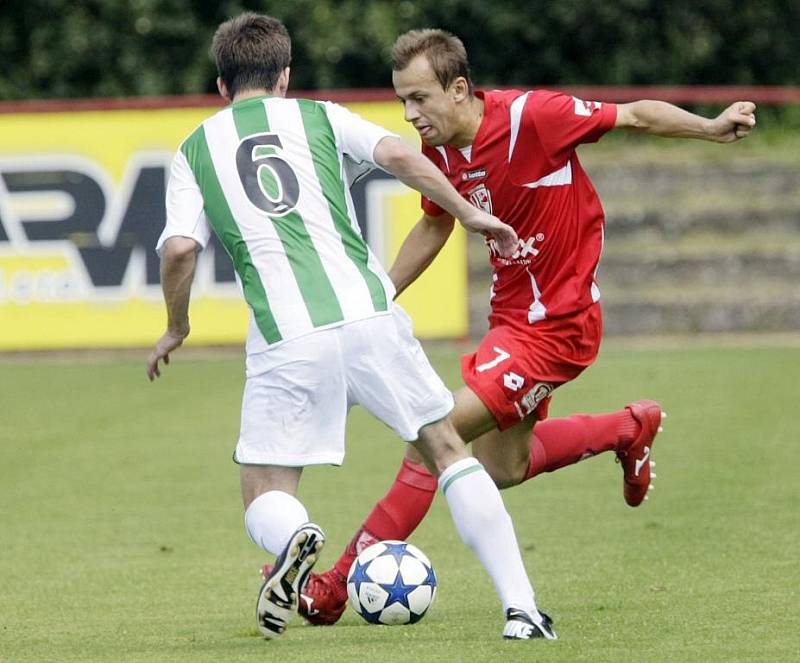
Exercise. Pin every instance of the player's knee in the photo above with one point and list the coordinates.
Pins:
(440, 446)
(506, 471)
(413, 455)
(503, 478)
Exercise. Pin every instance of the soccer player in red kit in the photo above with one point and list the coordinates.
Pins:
(513, 154)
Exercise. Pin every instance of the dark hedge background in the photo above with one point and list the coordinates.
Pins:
(64, 49)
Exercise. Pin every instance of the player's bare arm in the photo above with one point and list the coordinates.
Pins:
(417, 171)
(419, 249)
(178, 261)
(662, 119)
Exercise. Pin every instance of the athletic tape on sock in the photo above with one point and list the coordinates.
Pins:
(460, 468)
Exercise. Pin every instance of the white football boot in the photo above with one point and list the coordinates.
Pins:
(521, 625)
(280, 593)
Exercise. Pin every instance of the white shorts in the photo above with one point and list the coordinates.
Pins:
(297, 395)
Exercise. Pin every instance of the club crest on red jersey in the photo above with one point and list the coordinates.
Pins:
(481, 198)
(586, 108)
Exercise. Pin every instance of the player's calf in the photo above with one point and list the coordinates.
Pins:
(505, 456)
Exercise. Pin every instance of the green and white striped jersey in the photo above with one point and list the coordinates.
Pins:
(270, 176)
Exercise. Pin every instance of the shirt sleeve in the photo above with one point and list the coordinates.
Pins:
(563, 122)
(185, 214)
(355, 136)
(431, 208)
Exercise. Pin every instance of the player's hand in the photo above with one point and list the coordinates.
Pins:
(166, 344)
(734, 123)
(504, 236)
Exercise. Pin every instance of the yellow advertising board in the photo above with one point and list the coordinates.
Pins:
(81, 207)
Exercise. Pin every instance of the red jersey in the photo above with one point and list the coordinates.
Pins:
(522, 168)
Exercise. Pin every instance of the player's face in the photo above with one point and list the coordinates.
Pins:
(432, 110)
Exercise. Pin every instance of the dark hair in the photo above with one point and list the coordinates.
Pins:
(445, 53)
(251, 51)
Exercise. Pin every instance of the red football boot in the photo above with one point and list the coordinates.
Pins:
(635, 456)
(324, 598)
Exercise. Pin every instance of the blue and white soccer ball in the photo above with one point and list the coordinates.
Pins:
(391, 582)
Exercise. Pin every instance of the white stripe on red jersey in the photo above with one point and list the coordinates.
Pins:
(523, 168)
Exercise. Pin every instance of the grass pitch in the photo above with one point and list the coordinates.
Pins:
(121, 534)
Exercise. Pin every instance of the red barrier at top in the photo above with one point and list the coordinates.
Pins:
(687, 94)
(681, 94)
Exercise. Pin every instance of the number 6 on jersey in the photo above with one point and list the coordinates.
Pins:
(268, 179)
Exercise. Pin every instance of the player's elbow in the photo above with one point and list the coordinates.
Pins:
(630, 116)
(394, 156)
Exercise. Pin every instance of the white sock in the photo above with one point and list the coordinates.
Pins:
(272, 518)
(485, 526)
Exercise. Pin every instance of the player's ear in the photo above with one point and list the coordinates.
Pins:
(460, 89)
(283, 82)
(223, 89)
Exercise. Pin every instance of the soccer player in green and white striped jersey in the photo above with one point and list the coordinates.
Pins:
(270, 177)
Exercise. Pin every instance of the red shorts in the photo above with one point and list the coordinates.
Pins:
(515, 369)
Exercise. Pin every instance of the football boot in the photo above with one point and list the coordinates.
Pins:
(635, 456)
(324, 598)
(521, 625)
(280, 593)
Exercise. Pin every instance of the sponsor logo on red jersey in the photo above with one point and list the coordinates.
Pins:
(474, 174)
(526, 250)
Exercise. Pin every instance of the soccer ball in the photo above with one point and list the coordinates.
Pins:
(391, 582)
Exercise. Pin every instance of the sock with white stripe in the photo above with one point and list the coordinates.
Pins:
(485, 526)
(272, 518)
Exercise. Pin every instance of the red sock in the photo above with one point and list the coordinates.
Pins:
(556, 443)
(396, 515)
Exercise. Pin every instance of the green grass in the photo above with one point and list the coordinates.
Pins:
(121, 532)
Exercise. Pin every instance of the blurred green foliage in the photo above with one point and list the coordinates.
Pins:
(62, 48)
